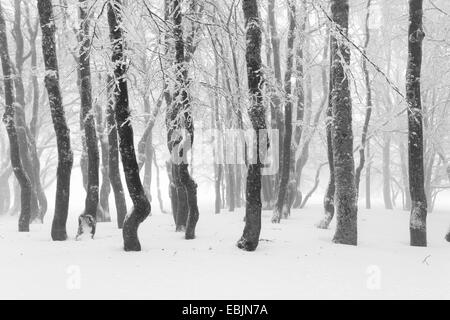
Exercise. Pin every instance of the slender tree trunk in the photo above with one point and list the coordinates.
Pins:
(88, 219)
(113, 155)
(141, 206)
(362, 147)
(250, 238)
(65, 156)
(368, 177)
(8, 119)
(158, 182)
(103, 214)
(281, 206)
(342, 135)
(387, 171)
(328, 201)
(417, 226)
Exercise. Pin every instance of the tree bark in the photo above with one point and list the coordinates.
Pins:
(417, 226)
(342, 135)
(88, 219)
(65, 156)
(178, 118)
(282, 207)
(8, 119)
(250, 238)
(141, 206)
(113, 155)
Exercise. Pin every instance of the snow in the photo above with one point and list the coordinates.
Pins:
(294, 260)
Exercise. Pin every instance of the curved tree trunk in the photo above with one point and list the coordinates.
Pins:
(8, 119)
(113, 155)
(417, 226)
(250, 237)
(178, 119)
(141, 205)
(342, 135)
(65, 156)
(88, 219)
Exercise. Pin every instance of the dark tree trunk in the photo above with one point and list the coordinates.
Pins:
(8, 119)
(141, 206)
(65, 156)
(88, 219)
(178, 118)
(113, 155)
(417, 226)
(387, 195)
(282, 207)
(362, 147)
(342, 135)
(256, 111)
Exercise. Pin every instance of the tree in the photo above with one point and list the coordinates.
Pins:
(8, 119)
(62, 131)
(342, 135)
(362, 147)
(113, 156)
(88, 220)
(282, 206)
(256, 111)
(141, 206)
(417, 226)
(180, 132)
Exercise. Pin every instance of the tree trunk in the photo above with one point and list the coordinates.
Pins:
(178, 119)
(113, 155)
(250, 238)
(387, 171)
(342, 135)
(417, 226)
(141, 206)
(103, 214)
(368, 176)
(281, 206)
(328, 201)
(88, 219)
(362, 147)
(8, 119)
(65, 156)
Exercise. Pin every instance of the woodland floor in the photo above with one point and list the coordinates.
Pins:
(294, 261)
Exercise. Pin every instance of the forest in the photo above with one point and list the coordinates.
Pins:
(239, 122)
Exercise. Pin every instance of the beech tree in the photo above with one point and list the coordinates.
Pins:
(8, 119)
(87, 221)
(417, 226)
(342, 135)
(256, 111)
(141, 206)
(62, 131)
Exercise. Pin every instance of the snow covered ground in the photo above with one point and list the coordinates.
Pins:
(294, 260)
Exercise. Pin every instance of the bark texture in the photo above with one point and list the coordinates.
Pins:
(8, 120)
(417, 226)
(65, 155)
(342, 135)
(141, 206)
(256, 111)
(88, 220)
